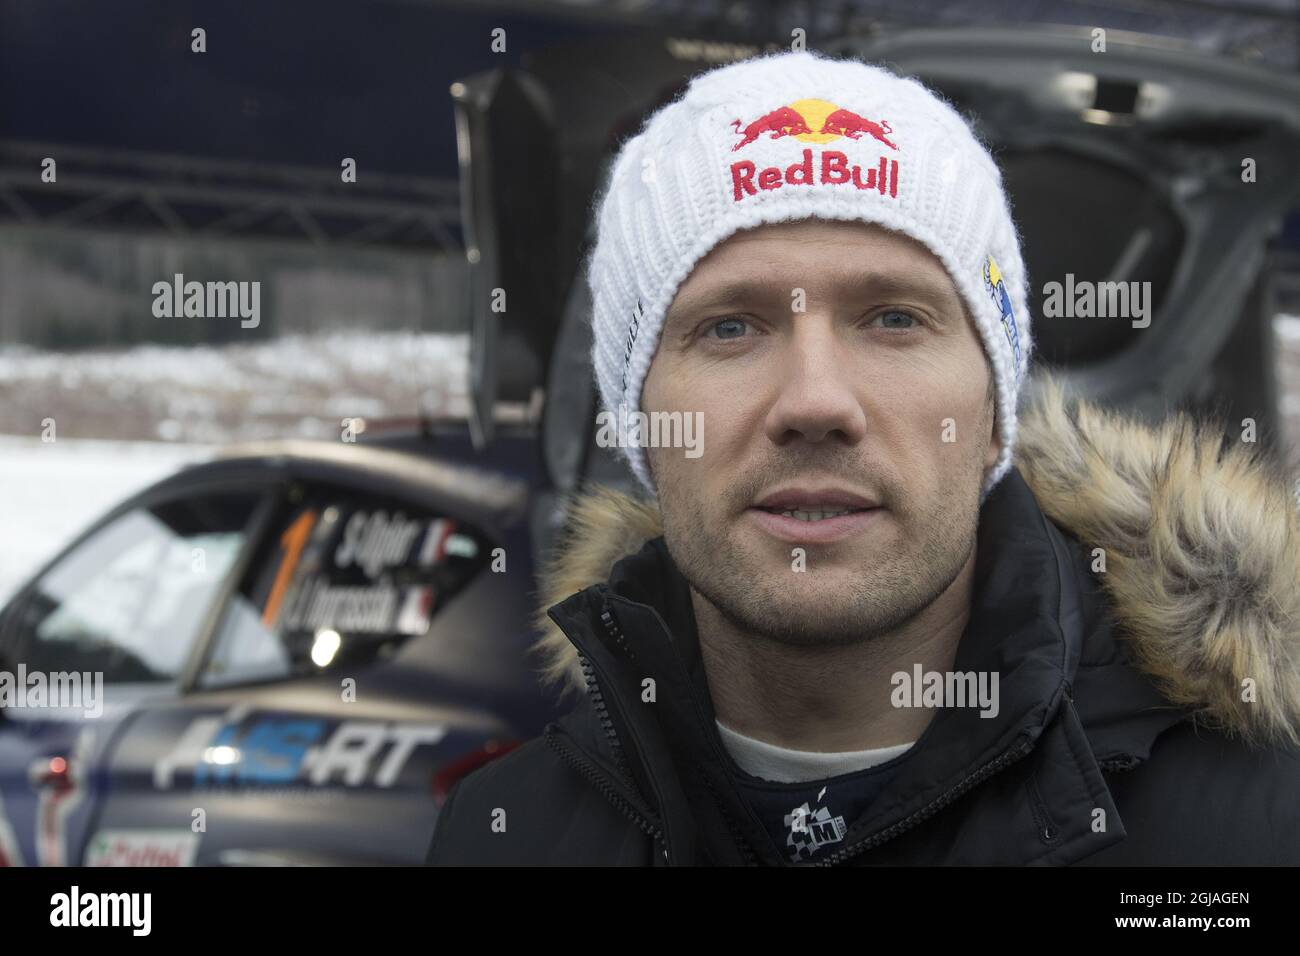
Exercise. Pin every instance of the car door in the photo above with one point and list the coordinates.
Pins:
(301, 739)
(109, 625)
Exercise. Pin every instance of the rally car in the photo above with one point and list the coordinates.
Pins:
(302, 645)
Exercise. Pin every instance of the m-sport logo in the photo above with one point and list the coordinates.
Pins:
(811, 829)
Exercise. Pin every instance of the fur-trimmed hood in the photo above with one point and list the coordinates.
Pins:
(1202, 554)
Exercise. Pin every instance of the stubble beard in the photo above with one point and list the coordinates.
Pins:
(758, 592)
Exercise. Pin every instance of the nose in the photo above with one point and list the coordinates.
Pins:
(818, 393)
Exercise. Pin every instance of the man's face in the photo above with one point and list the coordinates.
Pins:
(875, 399)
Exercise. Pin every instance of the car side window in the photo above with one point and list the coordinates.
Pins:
(344, 581)
(129, 601)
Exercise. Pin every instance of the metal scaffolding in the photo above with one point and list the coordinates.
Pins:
(196, 197)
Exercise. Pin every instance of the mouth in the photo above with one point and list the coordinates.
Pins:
(814, 515)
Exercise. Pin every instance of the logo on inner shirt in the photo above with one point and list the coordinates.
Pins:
(810, 830)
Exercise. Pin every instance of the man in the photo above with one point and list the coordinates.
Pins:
(876, 618)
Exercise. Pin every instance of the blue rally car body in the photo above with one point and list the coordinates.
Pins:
(301, 646)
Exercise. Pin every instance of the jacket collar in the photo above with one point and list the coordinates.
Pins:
(1026, 625)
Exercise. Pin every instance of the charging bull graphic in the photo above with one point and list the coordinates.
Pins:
(816, 121)
(782, 121)
(850, 124)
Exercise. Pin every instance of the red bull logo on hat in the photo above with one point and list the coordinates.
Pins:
(818, 122)
(813, 121)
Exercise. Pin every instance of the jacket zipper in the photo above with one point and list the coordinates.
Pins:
(593, 774)
(598, 778)
(597, 697)
(902, 826)
(615, 631)
(737, 837)
(574, 757)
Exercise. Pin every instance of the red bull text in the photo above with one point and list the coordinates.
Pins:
(833, 168)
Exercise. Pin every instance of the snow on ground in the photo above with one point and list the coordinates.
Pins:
(51, 491)
(292, 387)
(1287, 330)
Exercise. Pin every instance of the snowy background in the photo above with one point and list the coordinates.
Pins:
(290, 387)
(1287, 328)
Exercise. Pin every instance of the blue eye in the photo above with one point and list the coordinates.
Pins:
(729, 328)
(894, 312)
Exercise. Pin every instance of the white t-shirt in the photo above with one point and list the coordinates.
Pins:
(770, 762)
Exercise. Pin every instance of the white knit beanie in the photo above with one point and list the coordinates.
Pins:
(791, 136)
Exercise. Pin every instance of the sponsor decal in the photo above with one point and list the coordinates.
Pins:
(417, 609)
(373, 548)
(374, 542)
(142, 848)
(997, 289)
(358, 609)
(818, 122)
(269, 749)
(811, 829)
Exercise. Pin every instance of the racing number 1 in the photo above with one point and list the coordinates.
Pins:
(292, 542)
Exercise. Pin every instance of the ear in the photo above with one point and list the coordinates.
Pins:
(995, 437)
(995, 449)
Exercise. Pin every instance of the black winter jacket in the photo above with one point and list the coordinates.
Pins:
(1148, 712)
